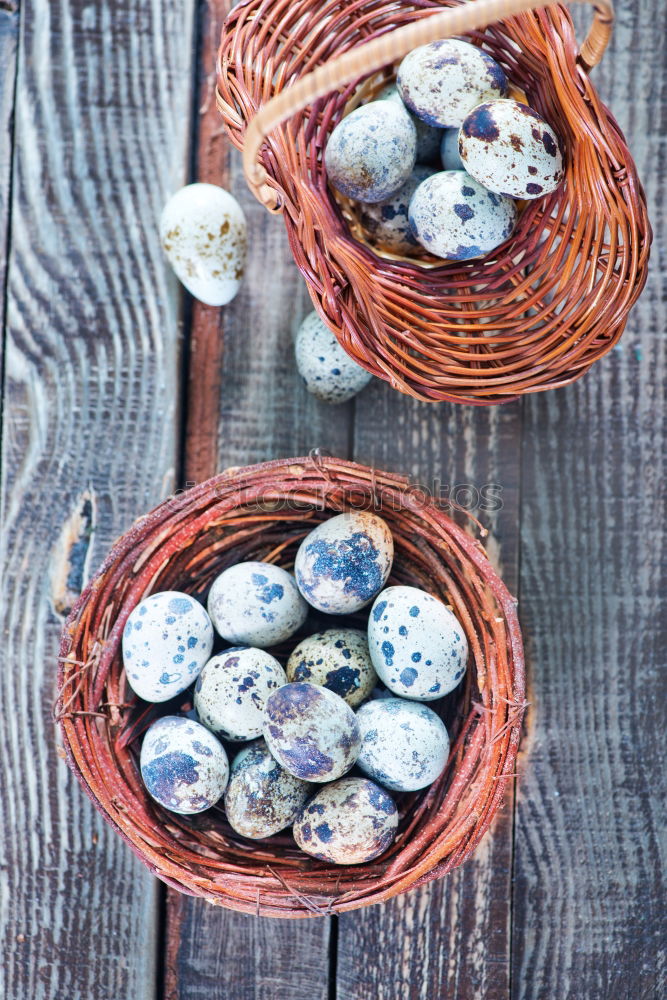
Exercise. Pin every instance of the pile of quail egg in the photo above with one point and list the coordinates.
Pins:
(449, 104)
(322, 743)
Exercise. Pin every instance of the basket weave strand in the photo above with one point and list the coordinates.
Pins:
(536, 313)
(263, 512)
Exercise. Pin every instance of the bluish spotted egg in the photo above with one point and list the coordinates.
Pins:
(444, 80)
(386, 222)
(449, 150)
(262, 798)
(428, 137)
(166, 641)
(256, 604)
(371, 152)
(509, 149)
(329, 373)
(337, 659)
(311, 732)
(404, 744)
(183, 766)
(417, 645)
(348, 822)
(232, 690)
(454, 217)
(344, 562)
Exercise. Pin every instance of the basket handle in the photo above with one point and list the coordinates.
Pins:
(387, 49)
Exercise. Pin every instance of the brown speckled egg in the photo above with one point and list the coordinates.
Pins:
(509, 149)
(256, 604)
(232, 690)
(311, 732)
(344, 562)
(337, 659)
(347, 823)
(183, 766)
(262, 798)
(404, 744)
(444, 80)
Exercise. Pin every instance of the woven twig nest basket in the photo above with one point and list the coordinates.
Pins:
(263, 512)
(533, 315)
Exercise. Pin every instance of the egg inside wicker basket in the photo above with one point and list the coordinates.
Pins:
(263, 512)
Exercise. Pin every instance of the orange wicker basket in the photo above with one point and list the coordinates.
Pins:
(263, 512)
(533, 315)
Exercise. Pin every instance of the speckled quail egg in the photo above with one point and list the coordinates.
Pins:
(428, 137)
(183, 766)
(262, 798)
(509, 149)
(311, 732)
(348, 822)
(417, 645)
(329, 373)
(386, 222)
(203, 233)
(337, 659)
(232, 690)
(371, 152)
(166, 641)
(449, 150)
(442, 81)
(404, 744)
(256, 604)
(344, 562)
(454, 217)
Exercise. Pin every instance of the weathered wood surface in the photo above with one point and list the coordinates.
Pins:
(102, 117)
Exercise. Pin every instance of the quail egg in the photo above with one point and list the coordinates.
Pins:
(183, 766)
(417, 645)
(344, 562)
(311, 732)
(232, 690)
(371, 152)
(262, 798)
(337, 659)
(404, 744)
(428, 137)
(386, 222)
(509, 149)
(442, 81)
(454, 217)
(449, 150)
(166, 641)
(329, 373)
(256, 604)
(348, 822)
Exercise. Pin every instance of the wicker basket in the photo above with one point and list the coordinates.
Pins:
(533, 315)
(263, 512)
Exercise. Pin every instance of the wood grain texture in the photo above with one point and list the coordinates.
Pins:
(9, 30)
(101, 125)
(590, 914)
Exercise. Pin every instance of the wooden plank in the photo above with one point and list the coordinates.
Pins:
(590, 918)
(91, 392)
(9, 30)
(450, 938)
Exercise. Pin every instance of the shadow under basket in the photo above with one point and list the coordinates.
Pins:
(534, 314)
(263, 512)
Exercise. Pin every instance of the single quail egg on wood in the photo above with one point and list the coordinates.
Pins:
(337, 659)
(417, 645)
(232, 690)
(183, 766)
(509, 149)
(455, 218)
(262, 798)
(404, 744)
(256, 604)
(387, 223)
(371, 152)
(344, 562)
(203, 233)
(166, 642)
(311, 732)
(442, 81)
(329, 372)
(449, 150)
(428, 137)
(348, 822)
